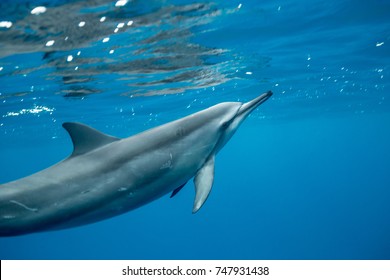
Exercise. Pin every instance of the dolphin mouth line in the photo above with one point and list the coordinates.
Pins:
(248, 107)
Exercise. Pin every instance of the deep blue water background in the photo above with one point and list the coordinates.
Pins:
(307, 176)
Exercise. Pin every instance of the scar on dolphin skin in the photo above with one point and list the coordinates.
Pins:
(24, 206)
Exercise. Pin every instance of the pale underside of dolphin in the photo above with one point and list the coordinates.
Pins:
(106, 176)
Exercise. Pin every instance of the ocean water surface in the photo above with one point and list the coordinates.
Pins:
(307, 176)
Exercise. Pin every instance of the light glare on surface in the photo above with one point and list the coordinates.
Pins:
(6, 24)
(38, 10)
(120, 3)
(50, 43)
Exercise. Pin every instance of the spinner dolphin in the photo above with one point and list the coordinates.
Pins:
(106, 176)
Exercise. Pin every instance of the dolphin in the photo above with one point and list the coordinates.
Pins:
(106, 176)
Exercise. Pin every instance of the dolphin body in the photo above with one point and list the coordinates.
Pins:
(106, 176)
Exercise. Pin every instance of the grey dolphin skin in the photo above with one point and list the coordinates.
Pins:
(106, 176)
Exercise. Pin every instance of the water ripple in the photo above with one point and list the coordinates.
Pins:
(90, 47)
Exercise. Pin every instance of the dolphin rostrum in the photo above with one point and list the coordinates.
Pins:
(106, 176)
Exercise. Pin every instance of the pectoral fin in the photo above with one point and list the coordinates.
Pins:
(203, 180)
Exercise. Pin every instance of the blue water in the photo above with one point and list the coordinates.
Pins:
(307, 176)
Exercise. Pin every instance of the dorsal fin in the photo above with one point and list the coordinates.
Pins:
(85, 138)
